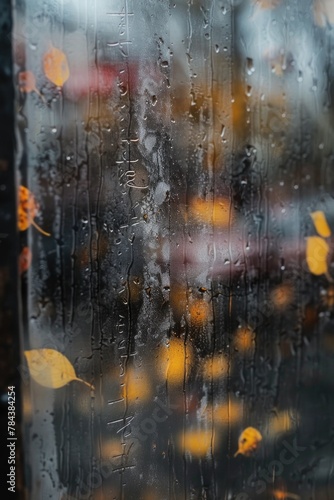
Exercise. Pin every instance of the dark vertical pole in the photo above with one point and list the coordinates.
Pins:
(9, 284)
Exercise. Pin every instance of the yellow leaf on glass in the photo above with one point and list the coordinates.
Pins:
(317, 251)
(51, 369)
(321, 224)
(27, 210)
(248, 441)
(55, 66)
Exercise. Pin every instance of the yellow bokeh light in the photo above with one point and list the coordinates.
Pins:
(215, 368)
(178, 298)
(282, 296)
(174, 360)
(224, 414)
(216, 212)
(282, 422)
(198, 443)
(111, 448)
(244, 339)
(228, 413)
(199, 312)
(136, 386)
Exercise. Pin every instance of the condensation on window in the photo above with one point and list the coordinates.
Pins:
(175, 185)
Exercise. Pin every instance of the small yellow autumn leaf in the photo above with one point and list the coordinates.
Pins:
(198, 443)
(248, 441)
(50, 368)
(27, 210)
(55, 66)
(317, 251)
(321, 224)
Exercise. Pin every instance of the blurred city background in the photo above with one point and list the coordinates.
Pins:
(175, 163)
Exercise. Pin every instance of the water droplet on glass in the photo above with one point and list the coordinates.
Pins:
(249, 66)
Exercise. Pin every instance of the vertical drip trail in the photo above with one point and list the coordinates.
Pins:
(184, 263)
(230, 161)
(211, 166)
(90, 236)
(127, 140)
(95, 256)
(169, 222)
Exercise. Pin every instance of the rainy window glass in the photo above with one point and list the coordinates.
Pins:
(174, 164)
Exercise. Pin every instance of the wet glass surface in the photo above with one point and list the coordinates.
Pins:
(176, 213)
